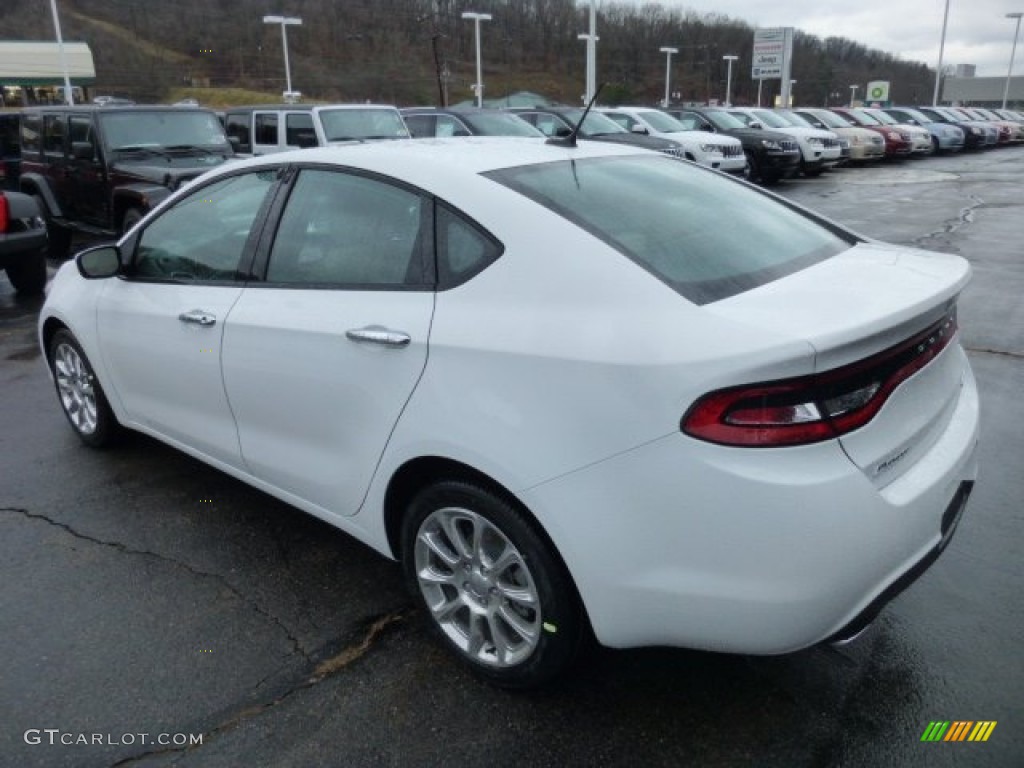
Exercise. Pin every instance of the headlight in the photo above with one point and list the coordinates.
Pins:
(708, 148)
(816, 141)
(856, 140)
(770, 144)
(892, 135)
(975, 129)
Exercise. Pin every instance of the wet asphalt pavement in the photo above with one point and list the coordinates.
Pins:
(142, 592)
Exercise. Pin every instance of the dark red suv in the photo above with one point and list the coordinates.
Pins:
(897, 143)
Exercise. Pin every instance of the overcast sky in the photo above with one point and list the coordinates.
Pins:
(977, 32)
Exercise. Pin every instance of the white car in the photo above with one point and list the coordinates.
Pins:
(819, 149)
(569, 387)
(723, 153)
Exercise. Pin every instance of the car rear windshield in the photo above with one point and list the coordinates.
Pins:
(500, 124)
(706, 236)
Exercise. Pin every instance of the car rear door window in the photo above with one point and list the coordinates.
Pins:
(203, 236)
(236, 126)
(349, 230)
(54, 130)
(299, 131)
(265, 128)
(463, 248)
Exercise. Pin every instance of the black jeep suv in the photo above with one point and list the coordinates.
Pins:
(770, 155)
(100, 169)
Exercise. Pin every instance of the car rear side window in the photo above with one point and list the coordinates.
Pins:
(463, 248)
(706, 236)
(54, 128)
(265, 128)
(30, 133)
(348, 230)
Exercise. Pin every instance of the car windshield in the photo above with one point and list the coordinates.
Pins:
(661, 122)
(863, 118)
(883, 117)
(163, 129)
(921, 117)
(499, 124)
(793, 119)
(596, 124)
(359, 124)
(831, 119)
(723, 120)
(769, 119)
(705, 236)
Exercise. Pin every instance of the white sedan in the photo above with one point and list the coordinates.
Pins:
(569, 388)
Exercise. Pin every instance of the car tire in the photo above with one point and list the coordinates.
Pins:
(492, 587)
(752, 172)
(131, 217)
(58, 238)
(29, 276)
(81, 397)
(813, 172)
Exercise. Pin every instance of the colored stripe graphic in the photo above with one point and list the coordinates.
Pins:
(935, 730)
(958, 730)
(982, 730)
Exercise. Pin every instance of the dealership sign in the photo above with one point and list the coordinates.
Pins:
(773, 47)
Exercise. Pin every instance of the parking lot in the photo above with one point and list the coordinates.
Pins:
(151, 600)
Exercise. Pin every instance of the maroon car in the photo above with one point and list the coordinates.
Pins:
(897, 143)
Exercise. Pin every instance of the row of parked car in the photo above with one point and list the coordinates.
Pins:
(100, 169)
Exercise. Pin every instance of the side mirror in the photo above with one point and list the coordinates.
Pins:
(707, 128)
(756, 124)
(639, 129)
(99, 262)
(82, 150)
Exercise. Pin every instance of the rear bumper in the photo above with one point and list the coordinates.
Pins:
(751, 551)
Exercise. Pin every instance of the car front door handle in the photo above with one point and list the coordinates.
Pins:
(378, 334)
(198, 317)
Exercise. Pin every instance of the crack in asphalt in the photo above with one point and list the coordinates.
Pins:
(125, 549)
(963, 219)
(323, 671)
(333, 665)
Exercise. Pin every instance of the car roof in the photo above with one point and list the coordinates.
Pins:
(424, 161)
(102, 110)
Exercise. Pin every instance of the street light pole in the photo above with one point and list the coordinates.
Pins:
(477, 18)
(69, 97)
(728, 79)
(853, 94)
(591, 38)
(1013, 52)
(942, 47)
(285, 22)
(668, 72)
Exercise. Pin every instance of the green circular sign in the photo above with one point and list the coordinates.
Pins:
(877, 92)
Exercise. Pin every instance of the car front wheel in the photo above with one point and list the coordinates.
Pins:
(80, 394)
(29, 276)
(492, 586)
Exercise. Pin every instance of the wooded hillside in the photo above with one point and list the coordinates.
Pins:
(383, 50)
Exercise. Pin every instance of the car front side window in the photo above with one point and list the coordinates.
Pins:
(203, 236)
(344, 229)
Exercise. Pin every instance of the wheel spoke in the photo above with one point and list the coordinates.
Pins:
(502, 648)
(445, 609)
(436, 545)
(526, 630)
(478, 638)
(431, 575)
(451, 522)
(517, 594)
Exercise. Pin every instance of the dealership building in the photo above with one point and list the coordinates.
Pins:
(982, 91)
(32, 72)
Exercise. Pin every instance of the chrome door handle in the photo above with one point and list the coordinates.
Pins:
(378, 334)
(198, 317)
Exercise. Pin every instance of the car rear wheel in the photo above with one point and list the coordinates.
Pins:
(80, 394)
(493, 588)
(29, 276)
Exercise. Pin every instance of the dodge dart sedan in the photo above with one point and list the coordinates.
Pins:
(576, 390)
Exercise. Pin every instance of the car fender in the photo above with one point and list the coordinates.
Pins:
(143, 196)
(38, 184)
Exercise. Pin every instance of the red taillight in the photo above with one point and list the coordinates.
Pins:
(822, 406)
(4, 213)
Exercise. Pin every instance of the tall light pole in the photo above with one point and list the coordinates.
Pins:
(591, 38)
(853, 94)
(728, 79)
(69, 97)
(477, 18)
(285, 22)
(1013, 52)
(792, 98)
(668, 71)
(942, 48)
